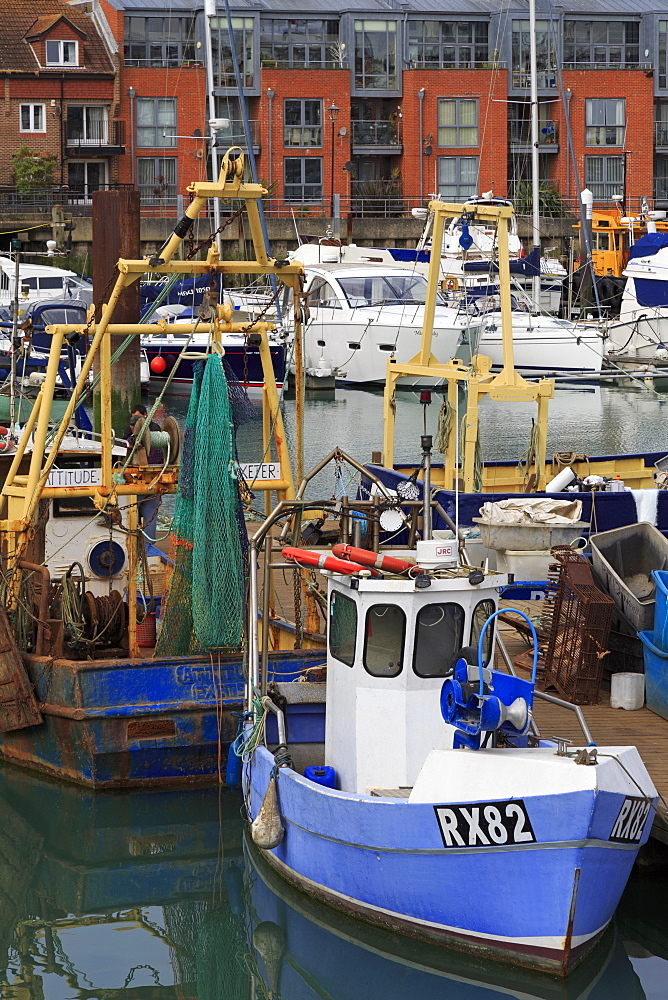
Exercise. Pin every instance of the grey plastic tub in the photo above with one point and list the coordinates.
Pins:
(528, 537)
(623, 560)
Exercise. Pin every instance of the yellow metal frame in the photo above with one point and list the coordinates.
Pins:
(21, 494)
(508, 385)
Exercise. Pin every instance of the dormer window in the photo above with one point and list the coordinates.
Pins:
(62, 53)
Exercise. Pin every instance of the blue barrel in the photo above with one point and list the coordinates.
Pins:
(322, 776)
(660, 577)
(656, 675)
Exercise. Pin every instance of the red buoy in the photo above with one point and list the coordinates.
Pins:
(158, 365)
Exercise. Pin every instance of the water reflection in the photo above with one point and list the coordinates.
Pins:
(155, 895)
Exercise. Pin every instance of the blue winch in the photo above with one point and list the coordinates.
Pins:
(478, 700)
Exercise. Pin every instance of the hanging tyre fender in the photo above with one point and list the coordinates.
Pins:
(322, 560)
(388, 563)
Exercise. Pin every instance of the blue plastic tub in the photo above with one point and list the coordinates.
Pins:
(321, 775)
(656, 675)
(660, 577)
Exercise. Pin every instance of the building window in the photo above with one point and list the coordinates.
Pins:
(447, 44)
(303, 179)
(606, 119)
(300, 43)
(661, 179)
(156, 122)
(303, 122)
(87, 126)
(221, 53)
(156, 179)
(661, 54)
(33, 118)
(62, 53)
(592, 44)
(604, 176)
(457, 177)
(457, 122)
(160, 41)
(385, 629)
(375, 55)
(546, 62)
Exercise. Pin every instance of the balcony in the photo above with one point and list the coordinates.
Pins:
(661, 135)
(96, 139)
(519, 136)
(376, 137)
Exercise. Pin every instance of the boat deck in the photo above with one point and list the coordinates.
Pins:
(609, 726)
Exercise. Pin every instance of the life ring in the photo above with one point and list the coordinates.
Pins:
(450, 284)
(5, 439)
(389, 563)
(322, 560)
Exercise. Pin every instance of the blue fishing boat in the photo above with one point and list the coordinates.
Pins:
(91, 692)
(436, 808)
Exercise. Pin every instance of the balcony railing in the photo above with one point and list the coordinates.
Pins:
(376, 133)
(234, 134)
(661, 133)
(605, 135)
(266, 62)
(519, 132)
(609, 65)
(302, 136)
(96, 136)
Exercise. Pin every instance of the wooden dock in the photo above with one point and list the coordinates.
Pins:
(608, 726)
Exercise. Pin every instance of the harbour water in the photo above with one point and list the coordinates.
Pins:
(155, 896)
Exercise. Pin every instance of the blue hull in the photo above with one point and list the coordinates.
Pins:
(543, 904)
(609, 510)
(133, 723)
(245, 364)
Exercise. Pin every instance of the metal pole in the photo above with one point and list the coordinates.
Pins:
(426, 491)
(331, 182)
(421, 92)
(16, 246)
(209, 12)
(535, 179)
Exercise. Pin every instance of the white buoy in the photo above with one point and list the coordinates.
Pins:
(267, 830)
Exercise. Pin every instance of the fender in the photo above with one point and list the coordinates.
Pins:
(322, 560)
(388, 563)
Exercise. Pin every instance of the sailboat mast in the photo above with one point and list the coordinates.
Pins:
(535, 179)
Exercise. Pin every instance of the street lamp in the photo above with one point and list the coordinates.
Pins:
(333, 112)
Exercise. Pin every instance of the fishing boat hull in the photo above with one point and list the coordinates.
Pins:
(538, 891)
(134, 723)
(244, 361)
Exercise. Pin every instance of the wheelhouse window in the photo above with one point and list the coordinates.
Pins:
(601, 44)
(156, 122)
(302, 122)
(32, 118)
(439, 630)
(300, 43)
(321, 295)
(303, 179)
(606, 121)
(342, 627)
(160, 41)
(384, 634)
(243, 29)
(481, 613)
(604, 176)
(376, 55)
(373, 290)
(457, 177)
(457, 122)
(447, 44)
(546, 63)
(62, 53)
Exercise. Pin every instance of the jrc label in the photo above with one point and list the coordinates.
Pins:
(485, 824)
(630, 822)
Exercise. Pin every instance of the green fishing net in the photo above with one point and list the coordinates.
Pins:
(205, 602)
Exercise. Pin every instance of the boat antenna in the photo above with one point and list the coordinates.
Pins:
(249, 144)
(457, 465)
(425, 441)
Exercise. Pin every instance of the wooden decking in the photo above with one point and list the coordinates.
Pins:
(608, 726)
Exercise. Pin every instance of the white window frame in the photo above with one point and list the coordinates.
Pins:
(32, 127)
(61, 61)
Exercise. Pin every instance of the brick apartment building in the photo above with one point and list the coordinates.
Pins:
(382, 102)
